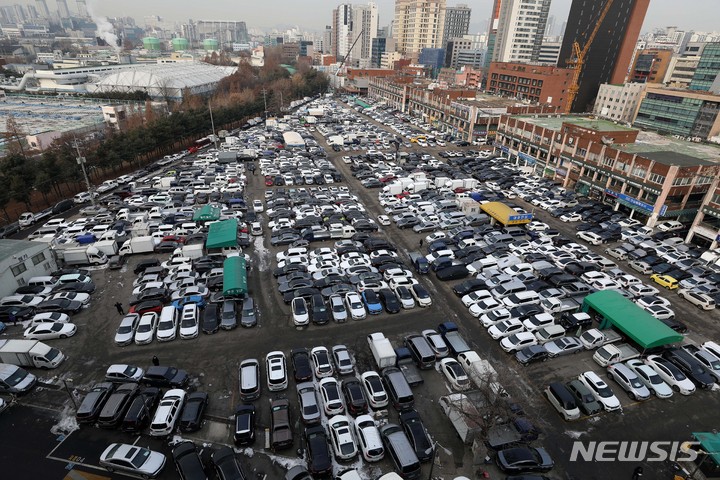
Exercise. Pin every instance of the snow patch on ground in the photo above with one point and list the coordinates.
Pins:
(263, 253)
(574, 434)
(285, 462)
(66, 424)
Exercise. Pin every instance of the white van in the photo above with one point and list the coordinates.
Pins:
(44, 281)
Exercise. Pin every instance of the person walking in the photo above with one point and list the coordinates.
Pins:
(12, 318)
(155, 361)
(119, 308)
(421, 242)
(637, 473)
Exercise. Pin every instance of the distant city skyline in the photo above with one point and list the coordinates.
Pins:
(313, 15)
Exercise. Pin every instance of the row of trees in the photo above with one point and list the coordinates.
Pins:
(148, 136)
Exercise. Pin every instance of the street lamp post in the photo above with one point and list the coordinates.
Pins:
(69, 392)
(81, 161)
(434, 457)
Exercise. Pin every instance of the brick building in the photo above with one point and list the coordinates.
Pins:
(542, 84)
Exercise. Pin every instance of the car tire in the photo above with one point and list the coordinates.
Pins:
(676, 388)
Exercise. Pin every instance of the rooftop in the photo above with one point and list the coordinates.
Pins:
(554, 122)
(33, 114)
(9, 248)
(671, 151)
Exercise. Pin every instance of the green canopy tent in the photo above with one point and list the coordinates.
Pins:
(208, 213)
(222, 234)
(234, 277)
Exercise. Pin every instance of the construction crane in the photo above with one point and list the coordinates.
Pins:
(339, 70)
(577, 60)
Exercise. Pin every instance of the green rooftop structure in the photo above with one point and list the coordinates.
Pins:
(208, 213)
(222, 234)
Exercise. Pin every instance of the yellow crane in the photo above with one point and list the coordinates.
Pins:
(577, 60)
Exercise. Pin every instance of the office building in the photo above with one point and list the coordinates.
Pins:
(380, 45)
(452, 50)
(619, 102)
(687, 113)
(63, 10)
(42, 9)
(520, 31)
(418, 24)
(457, 22)
(707, 73)
(549, 53)
(341, 28)
(82, 8)
(610, 55)
(646, 175)
(433, 58)
(492, 31)
(364, 25)
(539, 84)
(226, 32)
(651, 65)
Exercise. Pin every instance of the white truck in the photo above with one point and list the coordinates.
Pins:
(144, 244)
(26, 219)
(609, 354)
(463, 414)
(30, 353)
(192, 251)
(557, 306)
(382, 350)
(108, 247)
(338, 230)
(481, 372)
(83, 256)
(594, 338)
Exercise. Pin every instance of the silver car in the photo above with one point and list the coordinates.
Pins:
(337, 307)
(629, 381)
(309, 408)
(563, 346)
(126, 331)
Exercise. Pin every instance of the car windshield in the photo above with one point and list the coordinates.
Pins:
(140, 457)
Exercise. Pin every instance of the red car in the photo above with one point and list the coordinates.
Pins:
(147, 306)
(269, 181)
(174, 238)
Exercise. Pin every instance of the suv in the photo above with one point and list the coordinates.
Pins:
(165, 377)
(249, 380)
(167, 413)
(93, 402)
(281, 428)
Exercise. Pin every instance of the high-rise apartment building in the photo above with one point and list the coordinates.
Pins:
(457, 22)
(418, 24)
(42, 9)
(707, 72)
(520, 31)
(341, 28)
(610, 55)
(63, 10)
(492, 31)
(327, 39)
(365, 26)
(82, 8)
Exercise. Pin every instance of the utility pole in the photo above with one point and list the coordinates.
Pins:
(81, 161)
(212, 124)
(264, 92)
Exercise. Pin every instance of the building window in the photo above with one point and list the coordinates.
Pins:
(608, 162)
(39, 258)
(639, 172)
(655, 178)
(18, 269)
(679, 181)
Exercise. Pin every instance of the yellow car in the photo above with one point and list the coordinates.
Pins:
(665, 281)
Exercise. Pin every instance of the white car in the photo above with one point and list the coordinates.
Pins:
(455, 374)
(518, 341)
(124, 373)
(436, 342)
(374, 390)
(484, 306)
(650, 378)
(321, 361)
(383, 220)
(600, 390)
(258, 206)
(368, 438)
(402, 292)
(571, 217)
(505, 328)
(300, 313)
(83, 298)
(275, 368)
(341, 438)
(49, 331)
(331, 397)
(355, 306)
(146, 328)
(590, 237)
(167, 328)
(494, 317)
(671, 375)
(189, 322)
(49, 317)
(125, 458)
(474, 297)
(126, 330)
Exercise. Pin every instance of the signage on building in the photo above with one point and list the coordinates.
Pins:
(561, 171)
(529, 160)
(520, 218)
(505, 149)
(633, 202)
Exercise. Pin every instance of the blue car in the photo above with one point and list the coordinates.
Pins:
(372, 302)
(197, 299)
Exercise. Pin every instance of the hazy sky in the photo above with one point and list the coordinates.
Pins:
(698, 15)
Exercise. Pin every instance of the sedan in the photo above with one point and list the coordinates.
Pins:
(355, 306)
(321, 361)
(518, 341)
(300, 313)
(187, 460)
(309, 408)
(417, 434)
(319, 460)
(126, 331)
(563, 346)
(374, 389)
(372, 302)
(629, 381)
(455, 374)
(302, 370)
(276, 371)
(534, 353)
(671, 374)
(600, 390)
(650, 378)
(49, 331)
(227, 466)
(331, 397)
(524, 459)
(61, 305)
(341, 437)
(505, 328)
(146, 328)
(344, 362)
(132, 459)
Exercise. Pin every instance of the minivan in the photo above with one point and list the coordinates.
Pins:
(399, 390)
(167, 413)
(249, 380)
(419, 347)
(398, 447)
(43, 282)
(14, 379)
(521, 298)
(560, 397)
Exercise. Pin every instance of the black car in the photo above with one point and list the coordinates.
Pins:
(521, 459)
(62, 206)
(319, 460)
(142, 265)
(9, 229)
(454, 272)
(92, 404)
(20, 313)
(690, 366)
(192, 413)
(533, 353)
(117, 404)
(226, 464)
(32, 290)
(415, 431)
(211, 318)
(165, 377)
(302, 370)
(187, 461)
(389, 300)
(468, 286)
(139, 413)
(354, 397)
(62, 305)
(244, 425)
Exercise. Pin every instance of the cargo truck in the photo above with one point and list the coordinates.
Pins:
(82, 256)
(609, 354)
(594, 338)
(419, 262)
(463, 415)
(144, 244)
(108, 247)
(30, 353)
(453, 339)
(482, 373)
(382, 350)
(557, 306)
(407, 366)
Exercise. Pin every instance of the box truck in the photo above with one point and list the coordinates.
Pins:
(108, 247)
(382, 350)
(135, 245)
(30, 353)
(83, 256)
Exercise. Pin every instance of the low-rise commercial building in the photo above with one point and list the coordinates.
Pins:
(541, 84)
(20, 260)
(649, 176)
(619, 102)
